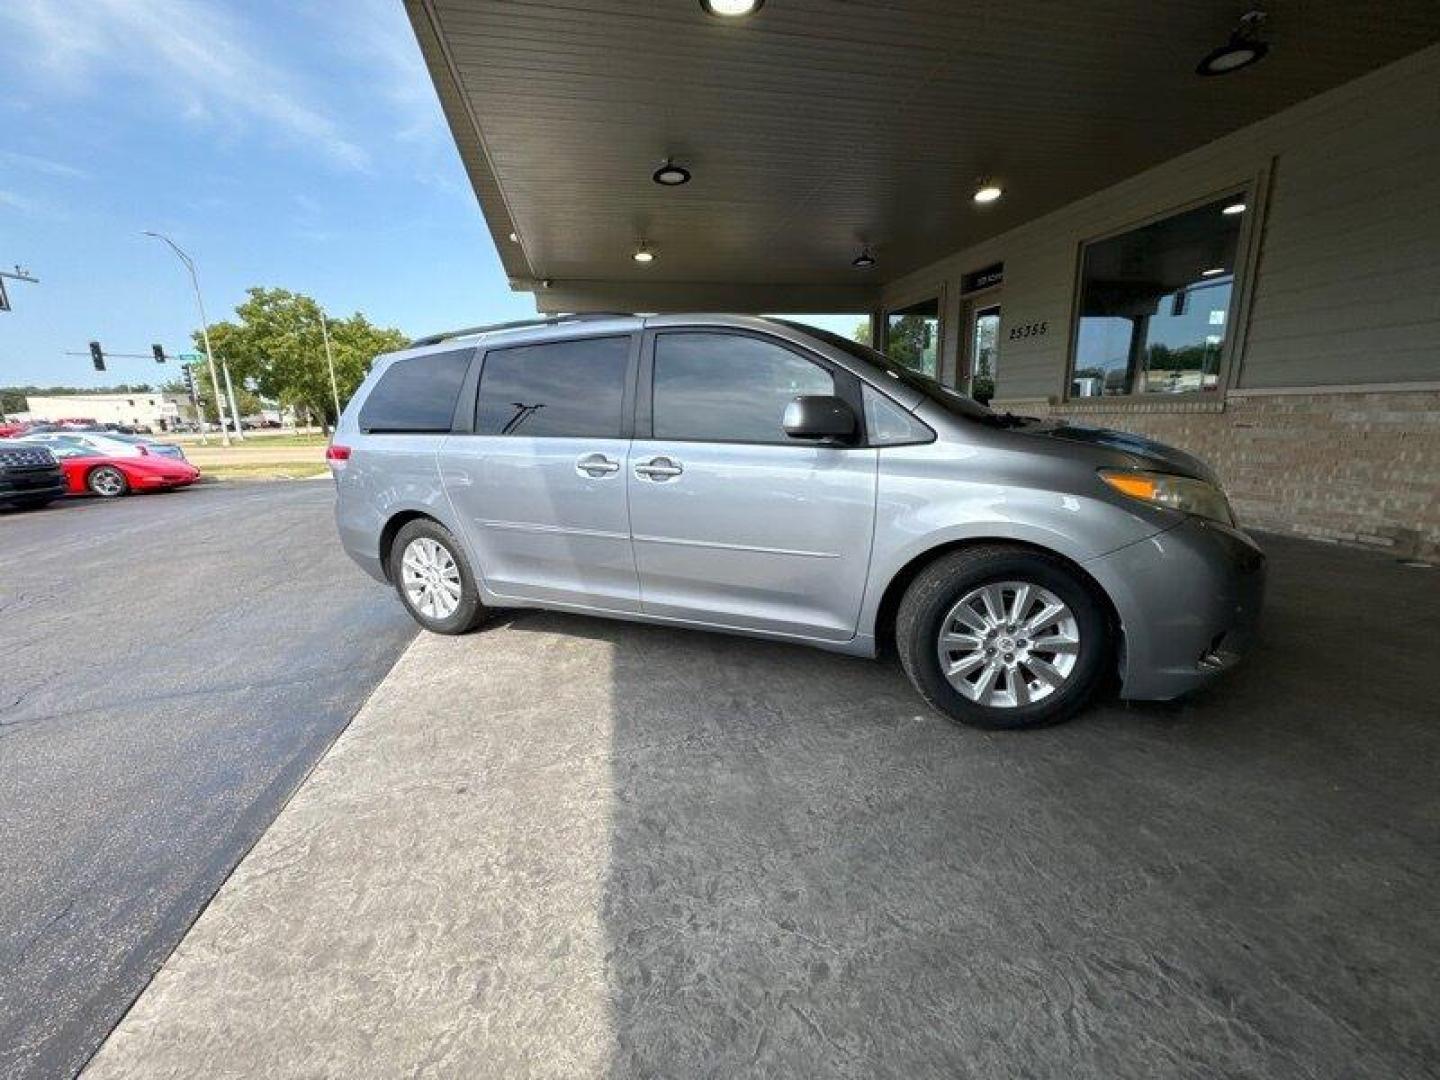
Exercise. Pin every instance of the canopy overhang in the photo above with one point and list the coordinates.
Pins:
(817, 129)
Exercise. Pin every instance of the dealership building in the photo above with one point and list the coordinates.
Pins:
(1214, 226)
(139, 409)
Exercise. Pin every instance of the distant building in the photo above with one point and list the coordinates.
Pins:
(141, 409)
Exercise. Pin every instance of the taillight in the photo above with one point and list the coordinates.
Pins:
(335, 453)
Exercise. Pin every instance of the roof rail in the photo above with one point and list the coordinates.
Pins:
(544, 320)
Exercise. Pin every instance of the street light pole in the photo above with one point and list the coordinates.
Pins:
(204, 333)
(330, 359)
(230, 392)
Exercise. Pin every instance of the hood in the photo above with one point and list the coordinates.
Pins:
(1146, 453)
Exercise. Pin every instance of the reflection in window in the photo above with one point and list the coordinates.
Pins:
(728, 388)
(561, 389)
(912, 336)
(985, 354)
(1155, 306)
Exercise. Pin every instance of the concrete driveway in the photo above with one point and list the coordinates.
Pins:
(564, 847)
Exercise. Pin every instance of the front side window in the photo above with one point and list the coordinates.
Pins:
(416, 395)
(1155, 305)
(728, 387)
(561, 389)
(912, 337)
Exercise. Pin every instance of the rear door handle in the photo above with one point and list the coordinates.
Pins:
(596, 465)
(660, 468)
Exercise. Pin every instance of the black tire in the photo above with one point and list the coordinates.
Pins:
(942, 585)
(107, 482)
(471, 612)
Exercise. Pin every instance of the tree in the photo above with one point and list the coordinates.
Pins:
(276, 347)
(861, 333)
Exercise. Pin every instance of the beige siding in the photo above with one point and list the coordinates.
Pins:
(1347, 283)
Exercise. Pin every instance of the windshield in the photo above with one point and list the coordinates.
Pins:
(933, 389)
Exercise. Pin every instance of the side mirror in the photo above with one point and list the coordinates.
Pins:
(818, 417)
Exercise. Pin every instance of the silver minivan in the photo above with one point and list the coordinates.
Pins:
(766, 478)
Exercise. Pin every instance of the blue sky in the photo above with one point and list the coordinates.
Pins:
(279, 143)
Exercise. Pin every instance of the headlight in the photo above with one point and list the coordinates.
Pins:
(1177, 492)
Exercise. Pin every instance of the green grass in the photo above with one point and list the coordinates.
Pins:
(256, 439)
(278, 470)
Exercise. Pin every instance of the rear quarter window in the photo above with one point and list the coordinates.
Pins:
(416, 395)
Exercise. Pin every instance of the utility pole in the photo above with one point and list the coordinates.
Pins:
(204, 333)
(230, 390)
(330, 359)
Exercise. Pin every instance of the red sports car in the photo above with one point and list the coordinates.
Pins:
(110, 477)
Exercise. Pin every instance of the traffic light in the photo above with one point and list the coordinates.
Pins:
(97, 357)
(159, 351)
(189, 374)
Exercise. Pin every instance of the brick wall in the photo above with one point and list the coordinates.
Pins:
(1358, 468)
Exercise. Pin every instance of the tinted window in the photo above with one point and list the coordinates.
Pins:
(728, 388)
(417, 394)
(561, 389)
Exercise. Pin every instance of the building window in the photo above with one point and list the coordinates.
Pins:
(1155, 305)
(912, 336)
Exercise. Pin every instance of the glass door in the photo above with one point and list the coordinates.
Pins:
(983, 350)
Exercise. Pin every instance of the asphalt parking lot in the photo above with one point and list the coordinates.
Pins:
(174, 665)
(566, 847)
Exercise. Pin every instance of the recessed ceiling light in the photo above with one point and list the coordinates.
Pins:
(1243, 49)
(987, 192)
(514, 238)
(1234, 208)
(1213, 271)
(863, 261)
(643, 254)
(731, 9)
(671, 175)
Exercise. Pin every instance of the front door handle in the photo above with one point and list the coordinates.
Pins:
(596, 465)
(660, 468)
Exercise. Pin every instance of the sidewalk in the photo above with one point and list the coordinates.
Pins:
(566, 847)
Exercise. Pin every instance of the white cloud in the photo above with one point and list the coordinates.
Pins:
(378, 36)
(18, 202)
(42, 165)
(190, 51)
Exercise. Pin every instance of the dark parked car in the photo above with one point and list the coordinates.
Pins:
(30, 476)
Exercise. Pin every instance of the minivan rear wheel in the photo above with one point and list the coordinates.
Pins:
(434, 579)
(1003, 637)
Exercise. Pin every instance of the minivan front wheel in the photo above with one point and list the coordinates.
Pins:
(1003, 637)
(434, 580)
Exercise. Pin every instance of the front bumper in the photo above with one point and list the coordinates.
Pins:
(39, 483)
(1189, 600)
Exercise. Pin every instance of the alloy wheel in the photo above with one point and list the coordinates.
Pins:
(107, 482)
(431, 578)
(1009, 644)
